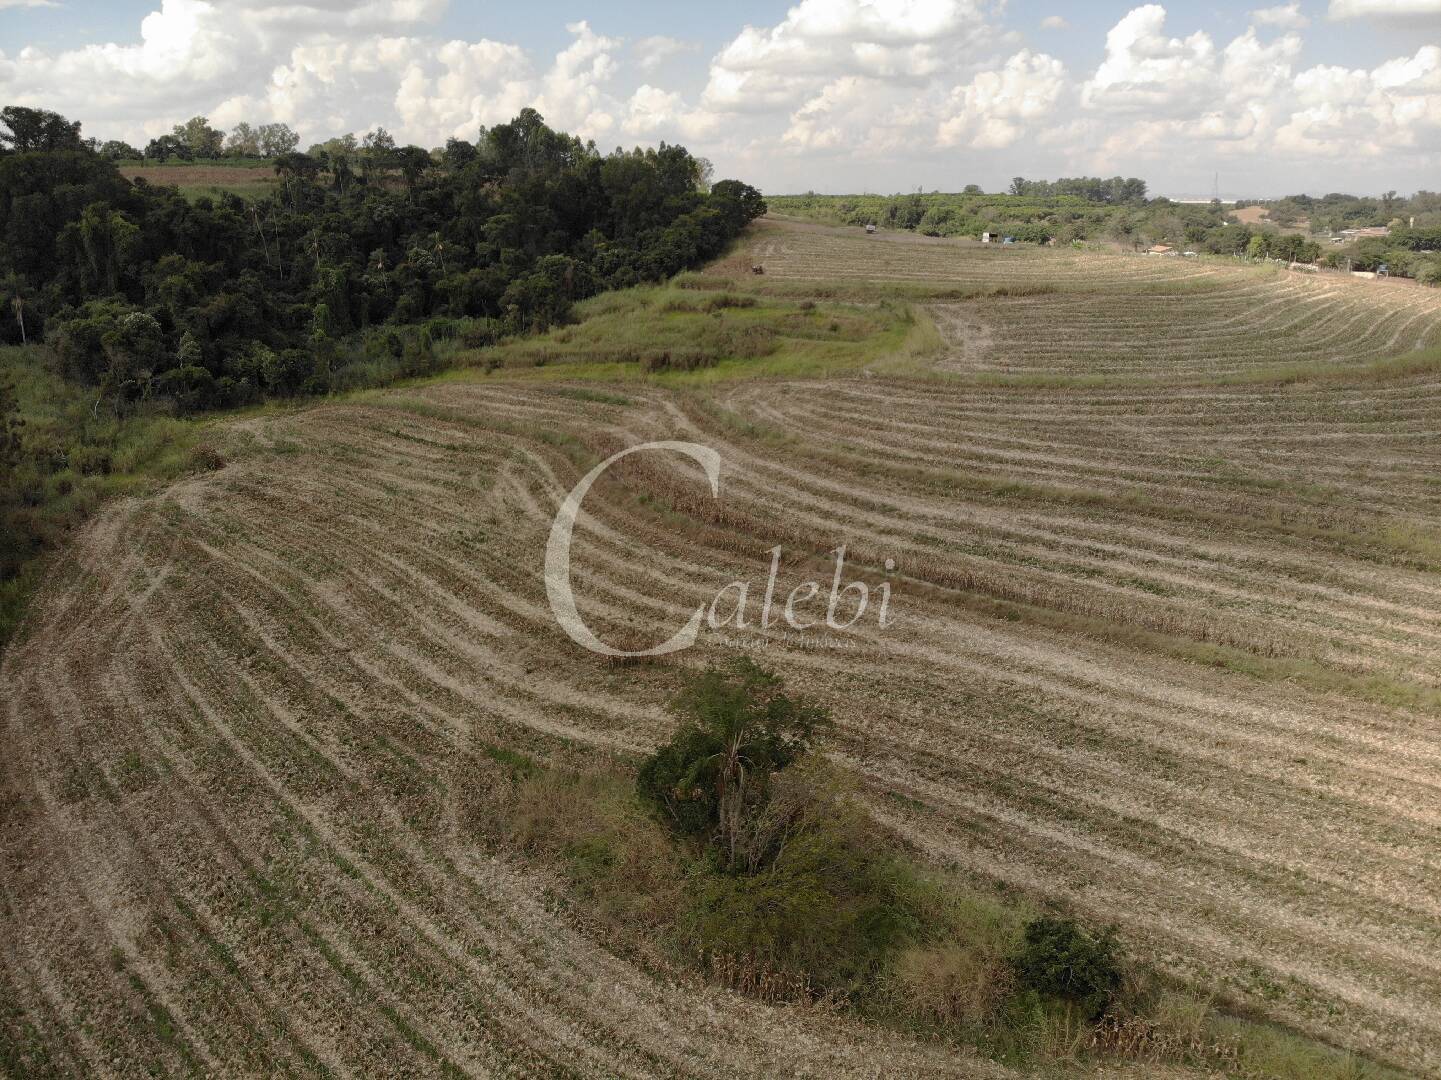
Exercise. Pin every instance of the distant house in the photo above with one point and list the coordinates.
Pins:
(985, 238)
(1367, 233)
(1160, 249)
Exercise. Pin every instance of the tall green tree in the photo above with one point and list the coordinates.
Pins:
(202, 140)
(276, 139)
(25, 130)
(738, 728)
(243, 141)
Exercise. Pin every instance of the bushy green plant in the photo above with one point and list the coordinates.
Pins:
(1058, 959)
(738, 728)
(828, 908)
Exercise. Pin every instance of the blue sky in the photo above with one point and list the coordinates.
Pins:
(826, 94)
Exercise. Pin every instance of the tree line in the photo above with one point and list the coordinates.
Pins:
(1044, 214)
(364, 253)
(1116, 191)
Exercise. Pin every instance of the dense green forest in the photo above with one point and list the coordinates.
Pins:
(367, 263)
(1092, 209)
(142, 294)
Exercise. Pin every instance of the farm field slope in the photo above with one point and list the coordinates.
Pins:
(1164, 648)
(1083, 313)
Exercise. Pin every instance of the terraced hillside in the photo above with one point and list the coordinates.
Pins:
(1163, 646)
(1089, 313)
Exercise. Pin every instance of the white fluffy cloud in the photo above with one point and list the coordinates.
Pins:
(652, 53)
(903, 42)
(1144, 71)
(1283, 16)
(836, 93)
(324, 66)
(994, 108)
(1391, 109)
(1384, 9)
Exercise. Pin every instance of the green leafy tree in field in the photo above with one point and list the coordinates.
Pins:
(273, 140)
(738, 199)
(202, 140)
(341, 146)
(243, 141)
(166, 147)
(116, 150)
(738, 729)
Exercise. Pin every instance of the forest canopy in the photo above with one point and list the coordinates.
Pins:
(222, 301)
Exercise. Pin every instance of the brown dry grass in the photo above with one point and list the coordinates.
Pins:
(198, 175)
(1164, 654)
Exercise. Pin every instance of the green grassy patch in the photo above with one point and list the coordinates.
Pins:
(678, 335)
(74, 454)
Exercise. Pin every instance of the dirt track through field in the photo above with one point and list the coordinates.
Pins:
(243, 721)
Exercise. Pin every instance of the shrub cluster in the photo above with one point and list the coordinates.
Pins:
(741, 850)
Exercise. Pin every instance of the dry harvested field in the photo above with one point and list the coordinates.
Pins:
(1137, 315)
(1164, 647)
(195, 180)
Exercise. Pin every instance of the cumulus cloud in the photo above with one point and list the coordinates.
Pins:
(904, 42)
(27, 4)
(653, 52)
(1283, 16)
(323, 66)
(838, 92)
(1384, 9)
(993, 109)
(1392, 108)
(1146, 71)
(1055, 22)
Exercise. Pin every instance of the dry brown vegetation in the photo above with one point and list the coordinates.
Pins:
(1164, 651)
(197, 180)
